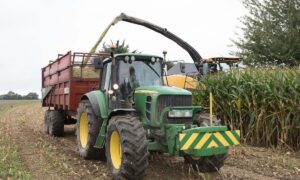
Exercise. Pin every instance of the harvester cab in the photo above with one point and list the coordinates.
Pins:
(215, 64)
(190, 80)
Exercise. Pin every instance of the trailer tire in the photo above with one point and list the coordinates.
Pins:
(46, 122)
(87, 130)
(207, 163)
(126, 147)
(56, 123)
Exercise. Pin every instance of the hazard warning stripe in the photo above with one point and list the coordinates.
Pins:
(208, 140)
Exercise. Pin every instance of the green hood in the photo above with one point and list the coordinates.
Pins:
(162, 90)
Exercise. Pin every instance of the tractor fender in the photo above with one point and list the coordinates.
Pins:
(97, 100)
(121, 112)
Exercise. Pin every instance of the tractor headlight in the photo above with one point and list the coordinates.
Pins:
(180, 113)
(110, 92)
(116, 86)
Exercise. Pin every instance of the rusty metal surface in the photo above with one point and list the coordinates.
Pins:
(67, 89)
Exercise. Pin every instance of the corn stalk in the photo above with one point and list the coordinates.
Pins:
(262, 103)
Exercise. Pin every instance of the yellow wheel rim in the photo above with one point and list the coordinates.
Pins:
(195, 158)
(83, 130)
(115, 149)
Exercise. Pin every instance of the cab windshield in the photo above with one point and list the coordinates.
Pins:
(140, 72)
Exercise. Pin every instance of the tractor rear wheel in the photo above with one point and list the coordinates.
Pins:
(126, 147)
(56, 123)
(207, 163)
(87, 130)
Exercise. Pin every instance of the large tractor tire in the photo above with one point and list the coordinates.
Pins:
(46, 122)
(207, 163)
(56, 123)
(126, 147)
(204, 120)
(87, 130)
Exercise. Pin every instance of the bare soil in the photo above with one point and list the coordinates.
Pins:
(48, 157)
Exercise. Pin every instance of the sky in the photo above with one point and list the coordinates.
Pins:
(32, 32)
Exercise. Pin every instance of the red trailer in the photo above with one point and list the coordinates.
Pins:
(66, 79)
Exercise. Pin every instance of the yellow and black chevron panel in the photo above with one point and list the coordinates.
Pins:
(206, 140)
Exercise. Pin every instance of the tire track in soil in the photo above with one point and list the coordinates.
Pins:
(56, 158)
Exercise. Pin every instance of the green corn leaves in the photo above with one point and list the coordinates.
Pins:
(263, 103)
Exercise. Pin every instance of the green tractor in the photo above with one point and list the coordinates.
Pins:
(133, 114)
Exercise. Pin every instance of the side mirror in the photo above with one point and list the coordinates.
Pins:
(98, 62)
(182, 67)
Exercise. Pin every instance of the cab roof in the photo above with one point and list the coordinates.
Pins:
(137, 54)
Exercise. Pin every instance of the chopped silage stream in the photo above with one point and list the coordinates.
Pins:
(56, 158)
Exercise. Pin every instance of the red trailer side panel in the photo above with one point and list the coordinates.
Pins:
(60, 89)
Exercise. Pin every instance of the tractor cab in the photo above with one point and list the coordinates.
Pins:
(123, 73)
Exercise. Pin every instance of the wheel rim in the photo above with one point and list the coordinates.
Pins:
(115, 149)
(83, 130)
(195, 158)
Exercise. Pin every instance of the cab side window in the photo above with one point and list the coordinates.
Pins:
(105, 79)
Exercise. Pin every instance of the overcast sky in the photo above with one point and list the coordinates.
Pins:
(35, 31)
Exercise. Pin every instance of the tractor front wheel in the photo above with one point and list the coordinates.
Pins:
(126, 147)
(208, 163)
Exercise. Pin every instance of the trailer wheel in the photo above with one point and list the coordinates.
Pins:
(126, 147)
(56, 123)
(46, 122)
(208, 163)
(87, 130)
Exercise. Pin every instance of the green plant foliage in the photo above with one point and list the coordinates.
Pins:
(271, 33)
(118, 47)
(262, 103)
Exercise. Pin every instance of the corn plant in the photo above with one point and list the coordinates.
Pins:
(263, 103)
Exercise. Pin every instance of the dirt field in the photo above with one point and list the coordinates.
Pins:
(45, 157)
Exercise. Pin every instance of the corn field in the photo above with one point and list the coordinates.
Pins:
(263, 103)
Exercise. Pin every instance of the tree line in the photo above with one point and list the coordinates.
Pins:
(14, 96)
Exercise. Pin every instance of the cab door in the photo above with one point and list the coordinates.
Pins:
(105, 85)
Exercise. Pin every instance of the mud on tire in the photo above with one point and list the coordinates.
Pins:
(88, 151)
(134, 151)
(55, 123)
